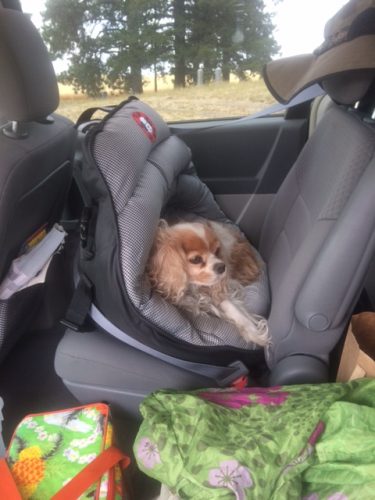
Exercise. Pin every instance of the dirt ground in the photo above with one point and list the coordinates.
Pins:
(216, 100)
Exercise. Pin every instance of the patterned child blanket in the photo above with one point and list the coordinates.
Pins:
(310, 442)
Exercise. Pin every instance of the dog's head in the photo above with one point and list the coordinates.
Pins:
(183, 254)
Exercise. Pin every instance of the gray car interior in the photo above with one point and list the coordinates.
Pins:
(317, 236)
(316, 272)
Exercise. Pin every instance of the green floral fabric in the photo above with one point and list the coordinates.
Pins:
(309, 442)
(50, 449)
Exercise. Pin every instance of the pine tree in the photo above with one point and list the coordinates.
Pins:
(110, 42)
(236, 35)
(106, 42)
(179, 31)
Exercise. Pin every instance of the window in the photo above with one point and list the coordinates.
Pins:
(189, 59)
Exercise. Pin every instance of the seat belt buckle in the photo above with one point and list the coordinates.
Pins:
(237, 376)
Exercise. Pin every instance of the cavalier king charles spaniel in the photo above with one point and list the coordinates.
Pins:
(203, 267)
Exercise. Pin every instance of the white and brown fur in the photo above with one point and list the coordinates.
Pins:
(202, 267)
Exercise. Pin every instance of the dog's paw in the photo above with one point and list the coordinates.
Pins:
(256, 331)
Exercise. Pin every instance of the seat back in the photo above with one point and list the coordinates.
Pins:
(319, 107)
(36, 149)
(319, 236)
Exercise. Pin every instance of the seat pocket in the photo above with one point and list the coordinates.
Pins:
(17, 314)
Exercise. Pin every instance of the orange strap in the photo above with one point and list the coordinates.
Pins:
(8, 488)
(91, 474)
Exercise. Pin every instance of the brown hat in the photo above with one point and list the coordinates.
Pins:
(349, 45)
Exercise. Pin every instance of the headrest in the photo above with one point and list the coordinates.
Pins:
(28, 85)
(347, 88)
(348, 52)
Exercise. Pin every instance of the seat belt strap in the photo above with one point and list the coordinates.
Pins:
(224, 376)
(77, 173)
(80, 304)
(81, 307)
(306, 95)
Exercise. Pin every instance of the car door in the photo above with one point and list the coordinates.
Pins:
(244, 161)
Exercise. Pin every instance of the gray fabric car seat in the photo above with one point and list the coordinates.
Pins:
(317, 241)
(35, 151)
(319, 107)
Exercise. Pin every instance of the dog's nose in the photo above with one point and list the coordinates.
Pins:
(219, 268)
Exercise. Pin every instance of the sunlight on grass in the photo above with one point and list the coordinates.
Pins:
(216, 100)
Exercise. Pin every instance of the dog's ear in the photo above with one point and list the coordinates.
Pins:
(243, 263)
(163, 224)
(167, 266)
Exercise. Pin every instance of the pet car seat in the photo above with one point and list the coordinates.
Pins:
(132, 172)
(36, 152)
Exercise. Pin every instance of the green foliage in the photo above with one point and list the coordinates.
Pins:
(109, 42)
(233, 34)
(106, 42)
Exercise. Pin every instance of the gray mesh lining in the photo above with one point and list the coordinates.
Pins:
(142, 177)
(3, 320)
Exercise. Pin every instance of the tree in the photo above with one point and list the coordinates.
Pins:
(110, 42)
(179, 20)
(106, 42)
(136, 38)
(233, 34)
(255, 43)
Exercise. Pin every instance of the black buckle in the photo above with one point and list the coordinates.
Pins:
(84, 225)
(239, 370)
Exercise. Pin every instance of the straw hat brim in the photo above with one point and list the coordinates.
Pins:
(287, 77)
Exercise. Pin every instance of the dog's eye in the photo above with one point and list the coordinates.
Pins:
(196, 260)
(217, 251)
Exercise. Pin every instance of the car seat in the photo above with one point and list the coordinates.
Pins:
(36, 151)
(319, 107)
(317, 241)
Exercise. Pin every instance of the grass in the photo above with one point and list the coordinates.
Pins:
(192, 103)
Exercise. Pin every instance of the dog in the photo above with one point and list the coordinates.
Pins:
(202, 267)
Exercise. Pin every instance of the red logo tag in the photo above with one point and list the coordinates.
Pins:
(146, 124)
